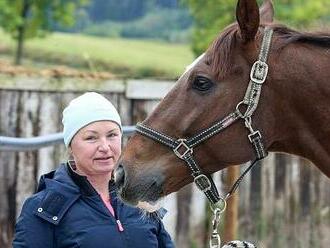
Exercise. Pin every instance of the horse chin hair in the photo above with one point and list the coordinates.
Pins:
(149, 207)
(146, 214)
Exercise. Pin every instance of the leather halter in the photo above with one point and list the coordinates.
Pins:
(183, 147)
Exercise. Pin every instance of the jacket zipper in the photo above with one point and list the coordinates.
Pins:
(120, 226)
(112, 211)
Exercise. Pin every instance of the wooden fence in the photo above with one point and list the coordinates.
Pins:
(283, 202)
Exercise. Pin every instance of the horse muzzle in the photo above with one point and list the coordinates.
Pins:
(138, 187)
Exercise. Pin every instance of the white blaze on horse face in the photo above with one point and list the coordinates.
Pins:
(188, 68)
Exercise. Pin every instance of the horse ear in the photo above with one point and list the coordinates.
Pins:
(247, 15)
(267, 11)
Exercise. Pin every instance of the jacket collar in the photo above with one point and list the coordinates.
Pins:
(81, 181)
(58, 178)
(67, 177)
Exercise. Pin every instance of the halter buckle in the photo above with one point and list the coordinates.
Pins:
(182, 144)
(202, 182)
(259, 72)
(253, 135)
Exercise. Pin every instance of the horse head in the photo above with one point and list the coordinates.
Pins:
(208, 91)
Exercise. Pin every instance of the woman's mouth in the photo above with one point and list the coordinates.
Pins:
(103, 159)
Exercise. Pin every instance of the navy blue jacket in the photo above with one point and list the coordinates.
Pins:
(68, 212)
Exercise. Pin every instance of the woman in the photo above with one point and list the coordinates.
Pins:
(77, 205)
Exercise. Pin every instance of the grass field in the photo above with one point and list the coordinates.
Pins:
(133, 58)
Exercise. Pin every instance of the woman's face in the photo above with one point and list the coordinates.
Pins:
(96, 148)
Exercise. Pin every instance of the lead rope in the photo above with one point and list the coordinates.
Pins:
(220, 207)
(239, 244)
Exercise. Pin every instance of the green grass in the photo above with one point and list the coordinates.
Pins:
(137, 58)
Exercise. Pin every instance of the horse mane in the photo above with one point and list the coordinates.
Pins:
(288, 36)
(220, 51)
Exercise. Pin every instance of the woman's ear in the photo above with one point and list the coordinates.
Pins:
(70, 154)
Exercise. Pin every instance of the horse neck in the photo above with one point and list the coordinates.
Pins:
(302, 102)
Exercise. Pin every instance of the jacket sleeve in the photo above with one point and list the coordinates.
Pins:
(32, 231)
(164, 239)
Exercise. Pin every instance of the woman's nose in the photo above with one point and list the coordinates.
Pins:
(104, 145)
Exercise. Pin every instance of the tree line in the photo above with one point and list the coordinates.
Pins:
(24, 19)
(125, 10)
(211, 16)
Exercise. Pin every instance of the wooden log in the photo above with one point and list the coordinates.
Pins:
(27, 161)
(231, 213)
(198, 205)
(49, 120)
(268, 186)
(182, 232)
(305, 191)
(255, 199)
(8, 161)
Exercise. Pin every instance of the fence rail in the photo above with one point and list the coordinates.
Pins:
(35, 143)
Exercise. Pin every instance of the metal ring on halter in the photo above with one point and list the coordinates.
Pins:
(239, 112)
(220, 206)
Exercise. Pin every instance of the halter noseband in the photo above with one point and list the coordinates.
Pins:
(183, 148)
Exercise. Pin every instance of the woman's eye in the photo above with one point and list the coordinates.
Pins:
(90, 138)
(202, 83)
(110, 135)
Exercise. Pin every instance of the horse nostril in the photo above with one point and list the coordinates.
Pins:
(119, 176)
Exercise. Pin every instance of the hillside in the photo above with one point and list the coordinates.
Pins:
(121, 57)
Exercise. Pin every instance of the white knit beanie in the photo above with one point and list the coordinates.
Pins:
(85, 109)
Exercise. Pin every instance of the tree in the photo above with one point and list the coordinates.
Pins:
(30, 18)
(213, 15)
(124, 10)
(167, 3)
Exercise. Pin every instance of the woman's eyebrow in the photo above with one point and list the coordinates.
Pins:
(96, 132)
(115, 129)
(92, 131)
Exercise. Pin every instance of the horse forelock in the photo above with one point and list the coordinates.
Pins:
(219, 53)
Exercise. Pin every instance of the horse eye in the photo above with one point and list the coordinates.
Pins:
(202, 83)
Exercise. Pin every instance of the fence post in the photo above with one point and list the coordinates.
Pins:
(231, 213)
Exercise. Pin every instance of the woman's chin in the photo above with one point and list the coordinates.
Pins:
(101, 171)
(104, 166)
(104, 163)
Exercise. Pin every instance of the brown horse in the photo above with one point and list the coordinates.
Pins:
(293, 113)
